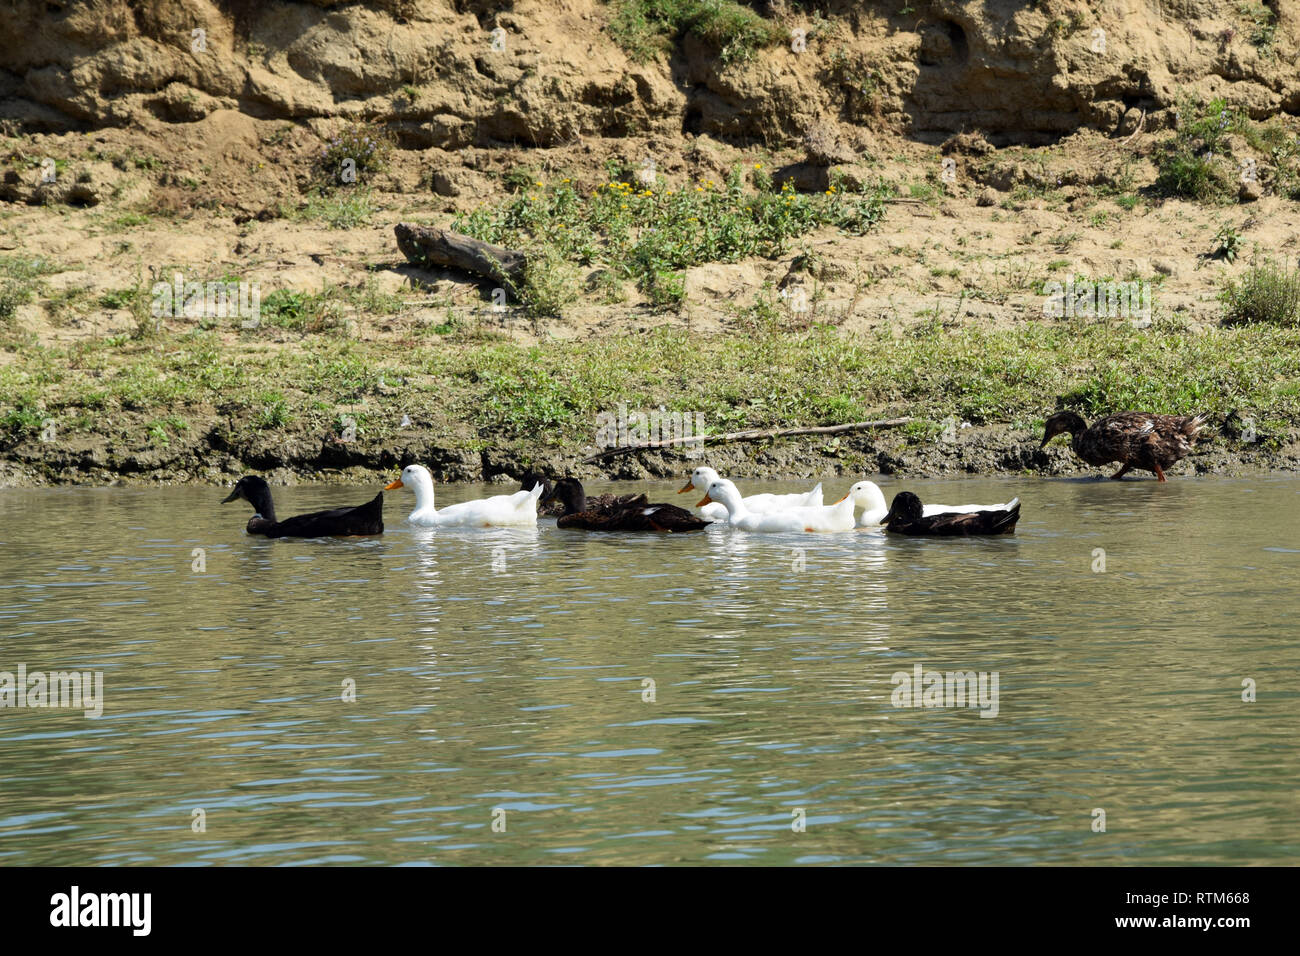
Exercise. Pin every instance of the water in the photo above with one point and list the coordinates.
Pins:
(503, 671)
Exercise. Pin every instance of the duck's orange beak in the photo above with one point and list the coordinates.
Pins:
(706, 500)
(841, 499)
(394, 484)
(688, 487)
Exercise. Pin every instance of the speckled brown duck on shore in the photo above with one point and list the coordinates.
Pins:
(1133, 439)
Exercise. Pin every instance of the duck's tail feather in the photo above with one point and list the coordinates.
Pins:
(1006, 522)
(532, 497)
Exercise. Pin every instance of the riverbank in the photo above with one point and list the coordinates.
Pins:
(200, 406)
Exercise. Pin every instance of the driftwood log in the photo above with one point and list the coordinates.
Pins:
(752, 434)
(425, 245)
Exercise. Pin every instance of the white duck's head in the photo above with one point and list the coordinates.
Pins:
(867, 496)
(701, 478)
(725, 493)
(418, 479)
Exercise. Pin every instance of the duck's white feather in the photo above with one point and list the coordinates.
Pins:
(868, 496)
(836, 517)
(500, 511)
(703, 477)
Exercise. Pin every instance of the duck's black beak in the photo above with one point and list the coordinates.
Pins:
(1046, 439)
(230, 497)
(888, 518)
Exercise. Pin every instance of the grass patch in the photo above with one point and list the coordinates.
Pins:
(354, 153)
(651, 234)
(1193, 165)
(342, 209)
(645, 28)
(1268, 293)
(19, 282)
(507, 394)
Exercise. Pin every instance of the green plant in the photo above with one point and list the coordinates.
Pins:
(1267, 293)
(550, 283)
(647, 27)
(13, 294)
(1229, 243)
(1189, 165)
(338, 210)
(355, 150)
(648, 234)
(274, 412)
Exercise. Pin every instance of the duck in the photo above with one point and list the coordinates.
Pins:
(518, 510)
(836, 517)
(361, 520)
(868, 496)
(907, 516)
(1141, 440)
(551, 507)
(702, 477)
(624, 513)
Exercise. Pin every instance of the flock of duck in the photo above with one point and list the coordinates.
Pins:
(1132, 439)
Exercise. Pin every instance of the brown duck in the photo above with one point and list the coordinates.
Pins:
(627, 513)
(1134, 439)
(556, 507)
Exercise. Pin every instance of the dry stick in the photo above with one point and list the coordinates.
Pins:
(749, 435)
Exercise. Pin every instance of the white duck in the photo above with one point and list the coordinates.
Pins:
(500, 511)
(868, 496)
(836, 517)
(702, 478)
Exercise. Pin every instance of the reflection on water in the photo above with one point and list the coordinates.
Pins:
(654, 699)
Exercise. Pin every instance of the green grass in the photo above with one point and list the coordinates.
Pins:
(651, 235)
(1197, 163)
(645, 28)
(344, 208)
(1268, 293)
(19, 282)
(510, 395)
(354, 153)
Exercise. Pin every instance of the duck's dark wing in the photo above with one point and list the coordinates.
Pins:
(362, 519)
(1119, 437)
(637, 515)
(1169, 438)
(608, 504)
(665, 517)
(585, 521)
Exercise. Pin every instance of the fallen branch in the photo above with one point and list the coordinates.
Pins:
(752, 434)
(425, 245)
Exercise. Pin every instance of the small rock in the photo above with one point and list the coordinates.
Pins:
(1164, 267)
(1249, 192)
(987, 197)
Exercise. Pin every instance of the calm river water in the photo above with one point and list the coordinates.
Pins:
(504, 710)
